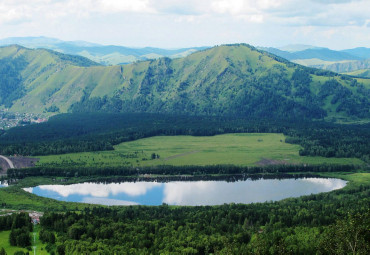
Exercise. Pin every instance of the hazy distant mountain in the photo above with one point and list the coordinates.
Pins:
(323, 54)
(344, 61)
(234, 80)
(346, 67)
(360, 52)
(297, 47)
(284, 54)
(106, 55)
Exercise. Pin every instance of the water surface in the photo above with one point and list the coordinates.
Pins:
(187, 193)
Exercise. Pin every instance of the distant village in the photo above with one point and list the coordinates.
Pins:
(34, 215)
(13, 119)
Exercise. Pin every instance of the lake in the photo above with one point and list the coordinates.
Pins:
(187, 192)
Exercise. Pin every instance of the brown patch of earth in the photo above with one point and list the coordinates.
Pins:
(266, 162)
(22, 162)
(3, 166)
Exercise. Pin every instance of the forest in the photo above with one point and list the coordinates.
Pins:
(165, 170)
(66, 133)
(326, 223)
(11, 85)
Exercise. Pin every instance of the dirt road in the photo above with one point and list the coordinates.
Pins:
(10, 163)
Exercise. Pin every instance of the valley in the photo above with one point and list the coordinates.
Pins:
(196, 135)
(180, 127)
(230, 149)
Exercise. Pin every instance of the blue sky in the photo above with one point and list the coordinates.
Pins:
(337, 24)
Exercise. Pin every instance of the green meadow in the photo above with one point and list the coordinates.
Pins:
(237, 149)
(4, 243)
(40, 247)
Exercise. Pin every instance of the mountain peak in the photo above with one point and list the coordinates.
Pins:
(231, 79)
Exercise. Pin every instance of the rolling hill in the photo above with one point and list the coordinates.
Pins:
(236, 80)
(103, 54)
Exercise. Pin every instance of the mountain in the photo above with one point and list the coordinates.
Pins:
(365, 73)
(360, 52)
(236, 80)
(322, 54)
(325, 54)
(345, 67)
(297, 47)
(344, 61)
(281, 53)
(106, 55)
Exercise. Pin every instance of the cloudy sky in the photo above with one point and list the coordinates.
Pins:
(337, 24)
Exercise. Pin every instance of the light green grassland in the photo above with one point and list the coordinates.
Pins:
(4, 243)
(236, 149)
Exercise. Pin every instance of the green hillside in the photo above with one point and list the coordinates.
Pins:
(234, 80)
(103, 54)
(360, 73)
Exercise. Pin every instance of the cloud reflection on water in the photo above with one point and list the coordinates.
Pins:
(194, 193)
(328, 184)
(102, 190)
(107, 201)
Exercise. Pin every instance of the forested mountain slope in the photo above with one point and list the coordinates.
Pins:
(225, 80)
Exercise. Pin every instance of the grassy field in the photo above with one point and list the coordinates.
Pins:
(15, 197)
(4, 243)
(236, 149)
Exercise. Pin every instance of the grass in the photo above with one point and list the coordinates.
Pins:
(236, 149)
(40, 247)
(16, 198)
(4, 243)
(354, 178)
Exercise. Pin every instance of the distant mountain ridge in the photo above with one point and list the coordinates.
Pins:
(319, 53)
(103, 54)
(344, 61)
(236, 80)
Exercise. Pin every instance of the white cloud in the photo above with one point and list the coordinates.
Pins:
(109, 6)
(182, 23)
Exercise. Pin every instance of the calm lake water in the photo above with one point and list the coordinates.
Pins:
(187, 193)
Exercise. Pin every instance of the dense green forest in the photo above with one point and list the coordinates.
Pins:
(20, 227)
(67, 133)
(327, 223)
(203, 171)
(11, 84)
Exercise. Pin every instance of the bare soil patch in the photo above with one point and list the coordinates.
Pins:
(3, 166)
(22, 162)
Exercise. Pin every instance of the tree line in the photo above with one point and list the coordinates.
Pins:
(323, 223)
(73, 171)
(20, 227)
(67, 133)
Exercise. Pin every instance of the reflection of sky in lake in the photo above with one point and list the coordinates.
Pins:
(187, 193)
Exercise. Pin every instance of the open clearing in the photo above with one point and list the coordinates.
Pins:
(237, 149)
(4, 243)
